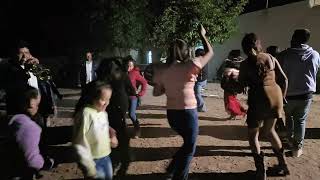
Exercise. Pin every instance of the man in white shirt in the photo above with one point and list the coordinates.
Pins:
(87, 70)
(25, 57)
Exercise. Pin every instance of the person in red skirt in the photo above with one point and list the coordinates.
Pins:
(229, 85)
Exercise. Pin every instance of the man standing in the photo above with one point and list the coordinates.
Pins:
(300, 63)
(88, 70)
(201, 83)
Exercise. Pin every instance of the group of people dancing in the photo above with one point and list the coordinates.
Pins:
(100, 136)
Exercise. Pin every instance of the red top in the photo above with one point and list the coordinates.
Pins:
(137, 80)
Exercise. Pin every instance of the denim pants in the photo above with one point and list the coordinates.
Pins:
(132, 110)
(197, 90)
(296, 116)
(185, 123)
(104, 168)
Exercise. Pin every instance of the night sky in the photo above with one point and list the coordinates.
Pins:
(53, 27)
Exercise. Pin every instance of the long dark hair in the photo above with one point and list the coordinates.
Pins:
(90, 93)
(110, 69)
(249, 43)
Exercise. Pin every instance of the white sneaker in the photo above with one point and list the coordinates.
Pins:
(297, 153)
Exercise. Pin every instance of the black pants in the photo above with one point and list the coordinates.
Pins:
(119, 155)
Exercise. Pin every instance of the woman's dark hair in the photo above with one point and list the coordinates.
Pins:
(178, 50)
(25, 97)
(109, 69)
(248, 43)
(90, 93)
(126, 61)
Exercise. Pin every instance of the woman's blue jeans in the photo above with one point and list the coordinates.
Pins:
(185, 123)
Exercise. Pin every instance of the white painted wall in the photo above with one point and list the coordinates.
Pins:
(274, 26)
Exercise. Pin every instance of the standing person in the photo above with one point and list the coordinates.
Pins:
(263, 75)
(23, 159)
(300, 63)
(88, 70)
(229, 84)
(135, 78)
(176, 80)
(111, 71)
(93, 138)
(201, 83)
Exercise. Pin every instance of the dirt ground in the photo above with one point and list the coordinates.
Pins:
(222, 148)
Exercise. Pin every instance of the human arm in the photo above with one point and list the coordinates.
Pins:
(281, 78)
(113, 137)
(81, 145)
(143, 83)
(203, 60)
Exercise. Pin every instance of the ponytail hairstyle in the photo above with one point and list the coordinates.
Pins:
(249, 44)
(178, 51)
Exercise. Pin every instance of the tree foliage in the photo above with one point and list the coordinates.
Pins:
(181, 18)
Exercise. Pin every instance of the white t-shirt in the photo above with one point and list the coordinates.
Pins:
(32, 81)
(88, 71)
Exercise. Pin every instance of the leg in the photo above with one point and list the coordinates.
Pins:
(187, 127)
(133, 117)
(299, 118)
(197, 90)
(104, 168)
(289, 109)
(269, 128)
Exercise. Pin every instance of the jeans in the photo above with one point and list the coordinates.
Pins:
(132, 110)
(185, 123)
(296, 116)
(104, 168)
(197, 90)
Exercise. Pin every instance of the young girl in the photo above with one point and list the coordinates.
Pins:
(135, 78)
(93, 138)
(23, 158)
(177, 80)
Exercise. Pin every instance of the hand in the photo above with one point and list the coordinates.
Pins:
(202, 31)
(32, 60)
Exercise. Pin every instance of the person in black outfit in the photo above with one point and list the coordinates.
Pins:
(111, 71)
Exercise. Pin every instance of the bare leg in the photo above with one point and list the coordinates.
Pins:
(253, 134)
(269, 127)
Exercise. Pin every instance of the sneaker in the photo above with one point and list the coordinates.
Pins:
(297, 153)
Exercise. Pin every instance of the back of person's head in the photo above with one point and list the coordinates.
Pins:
(91, 93)
(25, 97)
(300, 36)
(249, 43)
(109, 69)
(235, 53)
(178, 51)
(200, 52)
(273, 50)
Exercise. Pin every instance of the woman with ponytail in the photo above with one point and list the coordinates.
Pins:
(267, 84)
(176, 80)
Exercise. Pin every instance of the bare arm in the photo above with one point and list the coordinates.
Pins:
(207, 48)
(282, 79)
